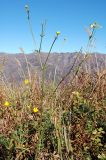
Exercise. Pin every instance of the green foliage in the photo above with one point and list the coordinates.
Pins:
(47, 133)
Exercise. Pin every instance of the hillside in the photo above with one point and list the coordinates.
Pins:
(14, 66)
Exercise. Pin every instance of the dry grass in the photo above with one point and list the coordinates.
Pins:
(69, 125)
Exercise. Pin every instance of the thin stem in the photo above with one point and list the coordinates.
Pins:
(86, 55)
(44, 69)
(50, 50)
(40, 47)
(31, 31)
(66, 74)
(32, 34)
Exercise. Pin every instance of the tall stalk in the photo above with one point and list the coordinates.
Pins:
(31, 30)
(45, 65)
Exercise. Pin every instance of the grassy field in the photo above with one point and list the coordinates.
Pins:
(69, 123)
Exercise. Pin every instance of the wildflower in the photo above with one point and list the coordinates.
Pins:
(57, 33)
(26, 81)
(95, 25)
(35, 110)
(6, 104)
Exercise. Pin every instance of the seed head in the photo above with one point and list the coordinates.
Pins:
(95, 25)
(27, 8)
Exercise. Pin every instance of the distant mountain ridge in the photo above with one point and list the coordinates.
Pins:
(14, 66)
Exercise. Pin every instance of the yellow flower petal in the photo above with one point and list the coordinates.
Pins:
(57, 33)
(6, 104)
(35, 109)
(26, 81)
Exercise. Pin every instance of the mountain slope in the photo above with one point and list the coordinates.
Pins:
(14, 66)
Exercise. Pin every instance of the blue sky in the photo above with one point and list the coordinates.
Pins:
(70, 17)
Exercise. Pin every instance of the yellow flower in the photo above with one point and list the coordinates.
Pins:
(26, 81)
(57, 33)
(35, 110)
(6, 104)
